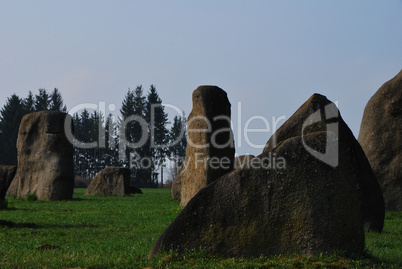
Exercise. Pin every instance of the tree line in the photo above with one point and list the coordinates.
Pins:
(138, 138)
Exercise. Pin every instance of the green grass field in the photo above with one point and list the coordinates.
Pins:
(119, 232)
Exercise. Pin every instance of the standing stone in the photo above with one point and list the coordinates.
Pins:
(7, 173)
(299, 205)
(110, 181)
(176, 185)
(381, 138)
(135, 190)
(243, 161)
(13, 188)
(210, 146)
(45, 157)
(326, 117)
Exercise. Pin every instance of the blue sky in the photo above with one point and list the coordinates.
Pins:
(270, 56)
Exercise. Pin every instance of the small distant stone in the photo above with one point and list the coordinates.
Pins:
(110, 181)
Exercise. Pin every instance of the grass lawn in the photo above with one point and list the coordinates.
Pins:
(119, 232)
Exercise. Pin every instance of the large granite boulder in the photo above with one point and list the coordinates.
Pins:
(210, 146)
(319, 114)
(110, 181)
(381, 139)
(7, 173)
(300, 204)
(45, 157)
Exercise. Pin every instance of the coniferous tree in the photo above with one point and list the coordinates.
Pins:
(103, 134)
(158, 134)
(136, 132)
(139, 111)
(127, 110)
(56, 101)
(83, 133)
(77, 151)
(127, 132)
(142, 155)
(10, 119)
(97, 134)
(110, 154)
(157, 119)
(178, 141)
(84, 129)
(29, 103)
(42, 100)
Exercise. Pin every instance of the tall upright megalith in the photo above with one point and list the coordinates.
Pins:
(45, 157)
(381, 139)
(210, 146)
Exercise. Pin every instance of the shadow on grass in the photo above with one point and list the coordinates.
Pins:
(76, 199)
(11, 224)
(16, 209)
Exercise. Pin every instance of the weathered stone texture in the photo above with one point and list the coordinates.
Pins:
(110, 181)
(309, 208)
(298, 196)
(381, 138)
(327, 117)
(45, 157)
(243, 161)
(210, 146)
(7, 173)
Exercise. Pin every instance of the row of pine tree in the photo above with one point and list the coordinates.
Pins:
(138, 138)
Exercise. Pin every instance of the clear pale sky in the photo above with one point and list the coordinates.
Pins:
(269, 55)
